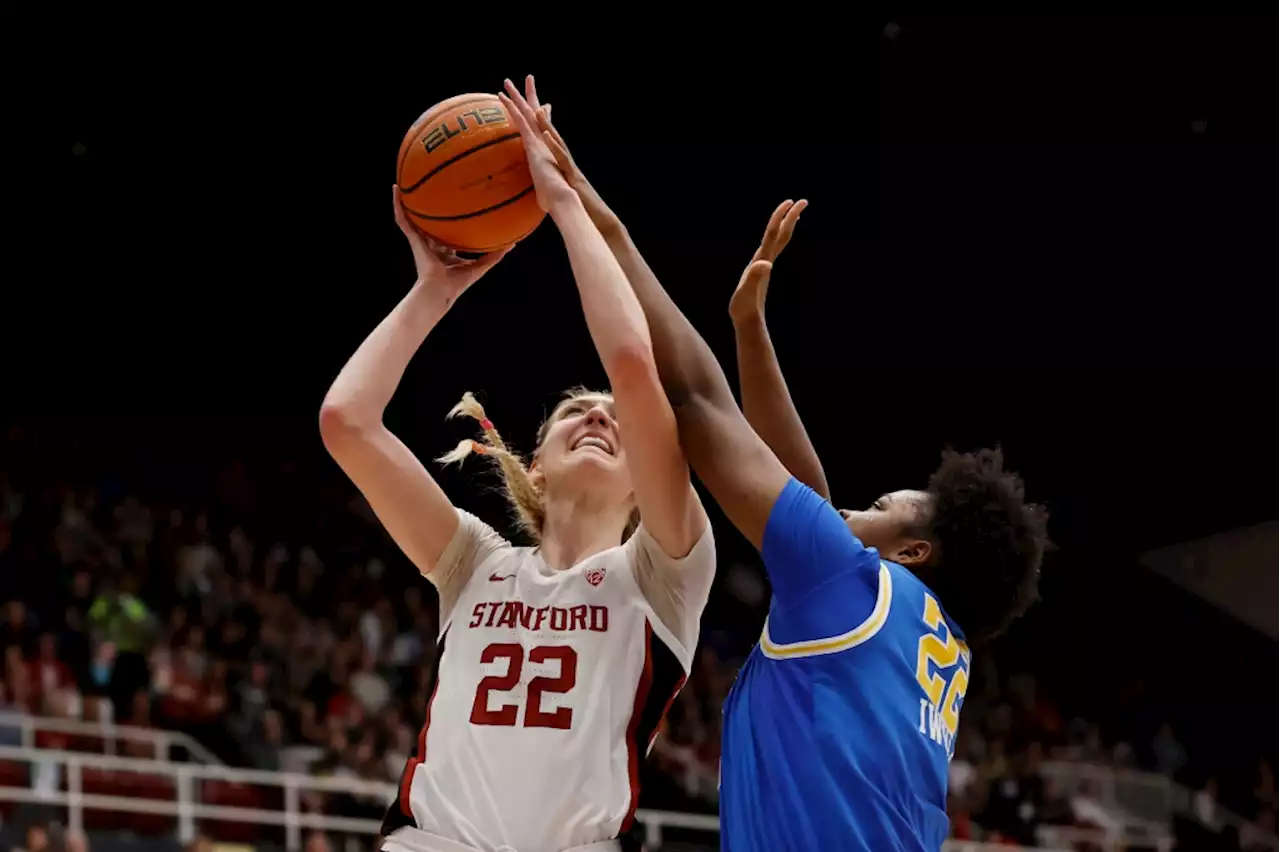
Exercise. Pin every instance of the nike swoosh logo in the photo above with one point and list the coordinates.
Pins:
(494, 578)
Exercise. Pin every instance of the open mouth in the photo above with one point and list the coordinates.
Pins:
(599, 442)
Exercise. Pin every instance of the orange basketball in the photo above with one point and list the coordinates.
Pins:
(463, 176)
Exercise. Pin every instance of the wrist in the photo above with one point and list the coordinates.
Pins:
(565, 202)
(750, 320)
(432, 295)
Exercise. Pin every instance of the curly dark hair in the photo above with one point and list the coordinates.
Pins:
(988, 542)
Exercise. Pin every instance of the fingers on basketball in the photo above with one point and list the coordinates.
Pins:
(513, 109)
(531, 92)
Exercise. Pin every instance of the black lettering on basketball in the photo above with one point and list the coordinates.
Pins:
(469, 120)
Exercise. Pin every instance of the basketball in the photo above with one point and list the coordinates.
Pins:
(463, 176)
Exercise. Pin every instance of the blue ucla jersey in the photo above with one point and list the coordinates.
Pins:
(838, 732)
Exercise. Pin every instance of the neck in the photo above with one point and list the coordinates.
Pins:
(580, 528)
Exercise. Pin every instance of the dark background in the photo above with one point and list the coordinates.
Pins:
(1053, 233)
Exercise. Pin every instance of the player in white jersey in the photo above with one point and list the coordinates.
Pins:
(556, 662)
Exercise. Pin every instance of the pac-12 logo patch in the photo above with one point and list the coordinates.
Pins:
(595, 576)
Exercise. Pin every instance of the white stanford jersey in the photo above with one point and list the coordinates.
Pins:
(549, 690)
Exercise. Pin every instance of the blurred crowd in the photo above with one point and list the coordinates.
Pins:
(309, 645)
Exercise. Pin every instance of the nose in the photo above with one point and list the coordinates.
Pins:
(598, 416)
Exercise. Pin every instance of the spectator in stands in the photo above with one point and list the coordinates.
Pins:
(37, 839)
(1168, 755)
(16, 629)
(250, 653)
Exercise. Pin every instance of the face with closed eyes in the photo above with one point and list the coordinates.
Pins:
(581, 450)
(891, 525)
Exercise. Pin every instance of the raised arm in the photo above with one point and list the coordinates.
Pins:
(737, 467)
(668, 505)
(766, 402)
(404, 496)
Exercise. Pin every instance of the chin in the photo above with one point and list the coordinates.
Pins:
(594, 471)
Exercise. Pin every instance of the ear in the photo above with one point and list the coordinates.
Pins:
(912, 551)
(536, 476)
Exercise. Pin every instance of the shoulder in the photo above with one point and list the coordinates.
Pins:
(474, 548)
(473, 542)
(642, 549)
(833, 617)
(675, 589)
(804, 527)
(690, 576)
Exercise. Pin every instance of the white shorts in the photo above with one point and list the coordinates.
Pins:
(410, 839)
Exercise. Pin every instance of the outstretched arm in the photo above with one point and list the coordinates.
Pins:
(737, 467)
(408, 502)
(765, 399)
(660, 475)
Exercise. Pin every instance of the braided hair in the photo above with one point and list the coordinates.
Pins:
(518, 485)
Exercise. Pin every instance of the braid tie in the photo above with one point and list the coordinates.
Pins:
(520, 489)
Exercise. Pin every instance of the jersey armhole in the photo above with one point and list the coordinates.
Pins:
(470, 552)
(819, 596)
(674, 589)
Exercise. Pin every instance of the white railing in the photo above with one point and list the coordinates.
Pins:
(112, 735)
(187, 808)
(1145, 800)
(1142, 798)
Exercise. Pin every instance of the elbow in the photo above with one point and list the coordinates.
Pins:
(612, 229)
(631, 364)
(339, 426)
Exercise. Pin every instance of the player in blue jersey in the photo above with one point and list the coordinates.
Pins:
(876, 699)
(841, 724)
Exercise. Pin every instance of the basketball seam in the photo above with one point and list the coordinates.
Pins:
(488, 249)
(521, 194)
(455, 158)
(421, 120)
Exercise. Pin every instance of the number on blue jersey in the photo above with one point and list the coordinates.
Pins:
(942, 668)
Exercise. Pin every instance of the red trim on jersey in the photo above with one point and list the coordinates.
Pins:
(406, 780)
(643, 685)
(635, 750)
(666, 708)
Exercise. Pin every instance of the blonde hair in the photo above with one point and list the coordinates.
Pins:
(519, 487)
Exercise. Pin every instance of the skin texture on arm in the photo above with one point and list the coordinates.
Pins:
(766, 401)
(404, 496)
(737, 467)
(659, 472)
